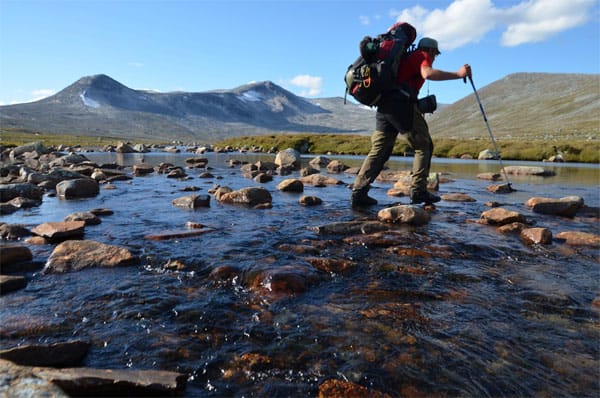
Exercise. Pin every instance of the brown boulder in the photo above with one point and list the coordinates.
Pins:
(500, 216)
(74, 255)
(247, 196)
(60, 230)
(115, 382)
(457, 197)
(566, 207)
(87, 217)
(536, 236)
(500, 188)
(291, 185)
(308, 200)
(12, 254)
(142, 169)
(404, 214)
(319, 180)
(335, 166)
(515, 227)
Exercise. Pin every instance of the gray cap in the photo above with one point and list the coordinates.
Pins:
(428, 42)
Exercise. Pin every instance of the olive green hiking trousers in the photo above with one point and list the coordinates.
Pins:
(382, 143)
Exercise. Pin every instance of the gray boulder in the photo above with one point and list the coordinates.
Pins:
(77, 188)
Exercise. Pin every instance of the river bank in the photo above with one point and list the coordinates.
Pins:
(585, 150)
(288, 299)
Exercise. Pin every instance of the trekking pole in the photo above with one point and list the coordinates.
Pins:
(490, 131)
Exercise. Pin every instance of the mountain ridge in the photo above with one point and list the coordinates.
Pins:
(519, 105)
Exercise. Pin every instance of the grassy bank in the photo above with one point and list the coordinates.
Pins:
(10, 137)
(583, 151)
(572, 151)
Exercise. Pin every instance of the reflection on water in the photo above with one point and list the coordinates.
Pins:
(449, 309)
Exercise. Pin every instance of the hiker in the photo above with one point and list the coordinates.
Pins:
(398, 113)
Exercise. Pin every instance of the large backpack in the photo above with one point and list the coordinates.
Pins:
(374, 71)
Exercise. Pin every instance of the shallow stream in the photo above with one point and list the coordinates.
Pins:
(453, 308)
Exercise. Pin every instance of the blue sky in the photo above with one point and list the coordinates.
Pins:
(303, 46)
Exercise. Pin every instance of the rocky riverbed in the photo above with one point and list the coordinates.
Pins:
(229, 276)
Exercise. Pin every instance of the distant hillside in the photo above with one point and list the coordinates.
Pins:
(519, 106)
(526, 106)
(98, 105)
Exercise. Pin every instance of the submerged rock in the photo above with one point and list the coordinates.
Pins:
(282, 280)
(578, 238)
(346, 389)
(10, 283)
(192, 201)
(69, 353)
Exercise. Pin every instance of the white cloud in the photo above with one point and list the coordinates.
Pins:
(468, 21)
(364, 20)
(137, 64)
(310, 85)
(538, 20)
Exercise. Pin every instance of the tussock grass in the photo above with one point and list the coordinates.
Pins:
(14, 137)
(580, 151)
(583, 151)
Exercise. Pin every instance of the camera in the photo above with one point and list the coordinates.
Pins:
(427, 104)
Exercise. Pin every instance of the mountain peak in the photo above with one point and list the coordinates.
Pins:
(100, 82)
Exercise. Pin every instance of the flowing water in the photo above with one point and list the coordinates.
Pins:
(453, 308)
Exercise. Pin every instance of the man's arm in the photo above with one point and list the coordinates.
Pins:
(429, 73)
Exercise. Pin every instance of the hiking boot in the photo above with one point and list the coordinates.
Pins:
(418, 196)
(361, 199)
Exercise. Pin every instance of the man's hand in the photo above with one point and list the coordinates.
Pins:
(464, 72)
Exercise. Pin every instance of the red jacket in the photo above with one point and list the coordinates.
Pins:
(409, 70)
